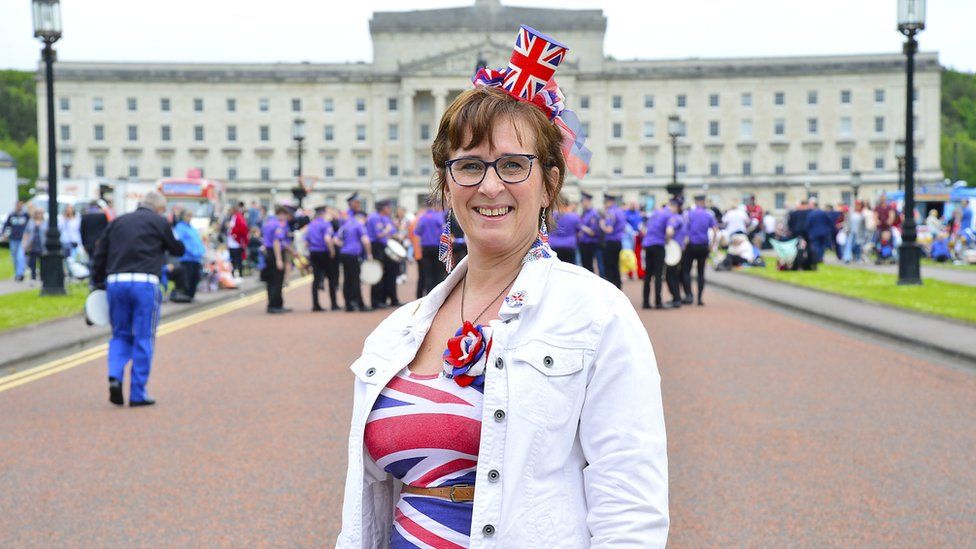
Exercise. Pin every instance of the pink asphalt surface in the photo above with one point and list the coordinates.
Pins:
(782, 432)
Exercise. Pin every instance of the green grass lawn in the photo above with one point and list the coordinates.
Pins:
(28, 307)
(6, 266)
(933, 297)
(947, 265)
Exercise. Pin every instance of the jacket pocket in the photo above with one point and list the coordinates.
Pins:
(548, 381)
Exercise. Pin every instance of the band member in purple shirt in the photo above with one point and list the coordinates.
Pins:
(672, 273)
(429, 228)
(321, 251)
(379, 229)
(590, 235)
(276, 243)
(563, 237)
(353, 242)
(655, 236)
(701, 224)
(612, 224)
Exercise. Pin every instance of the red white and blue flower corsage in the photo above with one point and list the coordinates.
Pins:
(467, 354)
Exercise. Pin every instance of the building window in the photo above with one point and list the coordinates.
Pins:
(747, 99)
(648, 101)
(393, 132)
(198, 133)
(328, 105)
(779, 99)
(617, 130)
(682, 162)
(713, 167)
(779, 199)
(329, 162)
(360, 104)
(198, 104)
(394, 166)
(164, 133)
(361, 161)
(845, 163)
(617, 164)
(296, 105)
(812, 126)
(812, 161)
(879, 159)
(264, 133)
(231, 133)
(65, 104)
(713, 100)
(167, 171)
(747, 167)
(745, 129)
(232, 173)
(682, 101)
(231, 106)
(779, 126)
(424, 132)
(845, 197)
(265, 173)
(617, 101)
(846, 125)
(584, 102)
(811, 98)
(98, 104)
(713, 128)
(878, 124)
(65, 132)
(329, 132)
(585, 128)
(131, 104)
(649, 164)
(648, 129)
(263, 104)
(99, 132)
(99, 166)
(879, 96)
(360, 132)
(132, 132)
(845, 97)
(164, 104)
(391, 104)
(133, 162)
(779, 162)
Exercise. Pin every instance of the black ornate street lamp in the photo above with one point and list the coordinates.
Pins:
(676, 129)
(47, 27)
(298, 134)
(900, 157)
(855, 185)
(911, 21)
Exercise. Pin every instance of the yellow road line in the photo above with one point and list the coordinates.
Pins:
(81, 357)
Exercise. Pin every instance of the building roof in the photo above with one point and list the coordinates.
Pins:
(7, 161)
(486, 16)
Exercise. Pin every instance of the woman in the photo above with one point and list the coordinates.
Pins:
(34, 241)
(70, 229)
(462, 437)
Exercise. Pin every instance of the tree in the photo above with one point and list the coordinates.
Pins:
(959, 123)
(18, 106)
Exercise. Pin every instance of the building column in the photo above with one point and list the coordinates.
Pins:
(440, 102)
(407, 133)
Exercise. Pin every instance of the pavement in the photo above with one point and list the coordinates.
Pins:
(783, 430)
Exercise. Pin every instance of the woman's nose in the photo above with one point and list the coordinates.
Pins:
(491, 185)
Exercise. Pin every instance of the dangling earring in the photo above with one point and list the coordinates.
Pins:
(543, 230)
(445, 249)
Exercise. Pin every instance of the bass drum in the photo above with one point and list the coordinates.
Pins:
(371, 272)
(96, 308)
(395, 250)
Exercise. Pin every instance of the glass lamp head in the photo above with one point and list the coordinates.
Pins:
(47, 19)
(298, 129)
(911, 15)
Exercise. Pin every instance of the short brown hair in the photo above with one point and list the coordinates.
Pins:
(477, 111)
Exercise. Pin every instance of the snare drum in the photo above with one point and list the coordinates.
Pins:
(395, 250)
(672, 253)
(96, 308)
(371, 272)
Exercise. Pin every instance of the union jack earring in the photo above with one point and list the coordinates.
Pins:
(543, 230)
(445, 249)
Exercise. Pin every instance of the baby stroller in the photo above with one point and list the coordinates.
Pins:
(790, 256)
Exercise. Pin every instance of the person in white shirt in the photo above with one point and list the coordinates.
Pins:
(518, 404)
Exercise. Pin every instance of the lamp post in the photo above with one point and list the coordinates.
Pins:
(911, 20)
(298, 134)
(47, 27)
(855, 186)
(806, 185)
(676, 129)
(900, 157)
(66, 162)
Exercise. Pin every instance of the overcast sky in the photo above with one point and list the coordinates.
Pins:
(336, 31)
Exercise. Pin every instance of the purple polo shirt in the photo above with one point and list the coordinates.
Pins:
(376, 223)
(315, 235)
(590, 219)
(272, 230)
(680, 226)
(619, 221)
(700, 220)
(564, 235)
(657, 226)
(351, 233)
(429, 228)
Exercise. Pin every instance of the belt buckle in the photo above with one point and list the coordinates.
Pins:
(457, 486)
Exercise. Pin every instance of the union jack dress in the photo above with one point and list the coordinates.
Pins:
(425, 431)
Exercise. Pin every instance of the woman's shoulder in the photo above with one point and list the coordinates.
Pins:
(568, 282)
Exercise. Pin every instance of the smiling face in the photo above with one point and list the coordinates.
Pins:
(497, 217)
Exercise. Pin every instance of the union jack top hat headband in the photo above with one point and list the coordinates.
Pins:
(528, 78)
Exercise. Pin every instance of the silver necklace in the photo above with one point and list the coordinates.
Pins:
(464, 286)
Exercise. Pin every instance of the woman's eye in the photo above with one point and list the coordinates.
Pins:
(470, 166)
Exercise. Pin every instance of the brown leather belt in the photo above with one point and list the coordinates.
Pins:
(457, 493)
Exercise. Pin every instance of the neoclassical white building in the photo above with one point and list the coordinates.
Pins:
(777, 127)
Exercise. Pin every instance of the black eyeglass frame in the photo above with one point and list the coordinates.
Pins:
(492, 164)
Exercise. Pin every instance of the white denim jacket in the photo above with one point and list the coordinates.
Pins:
(572, 427)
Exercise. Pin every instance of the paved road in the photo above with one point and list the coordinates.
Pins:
(781, 432)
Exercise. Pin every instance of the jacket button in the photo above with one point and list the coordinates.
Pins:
(370, 372)
(499, 415)
(499, 363)
(547, 362)
(488, 530)
(493, 475)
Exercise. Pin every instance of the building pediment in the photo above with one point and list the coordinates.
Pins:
(463, 60)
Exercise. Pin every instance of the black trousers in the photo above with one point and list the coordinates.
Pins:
(237, 260)
(351, 290)
(321, 265)
(385, 290)
(566, 254)
(694, 253)
(611, 261)
(432, 269)
(653, 268)
(191, 277)
(588, 254)
(276, 280)
(672, 274)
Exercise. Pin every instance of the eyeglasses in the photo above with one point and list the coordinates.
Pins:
(511, 169)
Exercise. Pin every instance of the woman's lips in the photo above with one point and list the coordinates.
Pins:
(494, 212)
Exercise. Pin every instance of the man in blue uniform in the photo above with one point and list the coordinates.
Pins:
(321, 251)
(275, 234)
(590, 235)
(701, 224)
(429, 228)
(353, 243)
(379, 229)
(612, 224)
(655, 237)
(127, 262)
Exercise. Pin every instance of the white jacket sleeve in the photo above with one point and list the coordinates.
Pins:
(623, 437)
